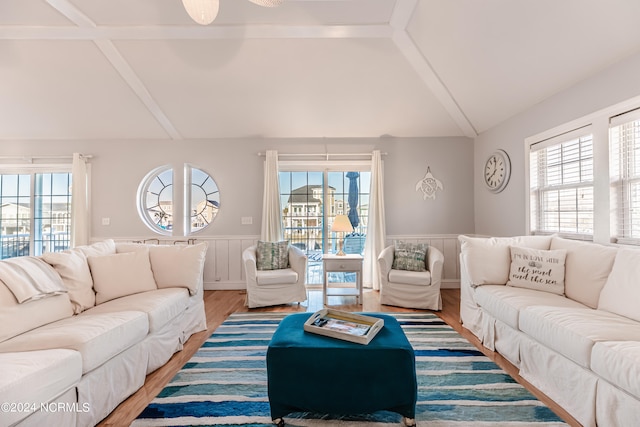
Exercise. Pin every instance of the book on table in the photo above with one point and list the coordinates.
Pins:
(343, 325)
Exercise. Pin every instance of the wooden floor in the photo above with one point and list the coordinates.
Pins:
(220, 304)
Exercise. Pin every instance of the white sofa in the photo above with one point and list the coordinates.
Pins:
(93, 322)
(579, 344)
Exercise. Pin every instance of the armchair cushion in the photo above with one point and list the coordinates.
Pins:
(410, 256)
(273, 277)
(272, 255)
(418, 278)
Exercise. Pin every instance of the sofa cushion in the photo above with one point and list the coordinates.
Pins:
(73, 268)
(619, 363)
(419, 278)
(162, 305)
(35, 377)
(105, 247)
(621, 293)
(573, 332)
(276, 277)
(178, 265)
(409, 256)
(505, 302)
(487, 260)
(587, 267)
(19, 318)
(98, 337)
(272, 255)
(119, 275)
(537, 269)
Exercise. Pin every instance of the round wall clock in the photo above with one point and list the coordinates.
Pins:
(497, 170)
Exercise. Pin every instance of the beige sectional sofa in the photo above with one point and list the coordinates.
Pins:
(82, 328)
(566, 313)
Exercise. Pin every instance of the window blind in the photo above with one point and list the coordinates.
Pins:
(561, 185)
(624, 158)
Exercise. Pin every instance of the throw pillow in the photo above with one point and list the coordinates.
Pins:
(72, 266)
(272, 255)
(537, 269)
(621, 293)
(106, 247)
(587, 268)
(178, 265)
(119, 275)
(18, 318)
(487, 259)
(410, 256)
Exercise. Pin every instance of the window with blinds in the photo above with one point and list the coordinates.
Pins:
(561, 185)
(624, 158)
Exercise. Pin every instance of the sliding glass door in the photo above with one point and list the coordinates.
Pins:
(310, 201)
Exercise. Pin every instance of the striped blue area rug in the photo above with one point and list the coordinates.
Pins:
(225, 383)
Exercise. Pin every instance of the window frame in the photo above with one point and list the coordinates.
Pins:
(32, 170)
(324, 167)
(538, 188)
(181, 198)
(621, 161)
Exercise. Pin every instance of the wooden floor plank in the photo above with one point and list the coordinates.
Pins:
(220, 304)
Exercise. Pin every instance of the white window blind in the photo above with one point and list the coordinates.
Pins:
(561, 185)
(624, 145)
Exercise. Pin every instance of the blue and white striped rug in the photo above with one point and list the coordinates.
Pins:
(225, 383)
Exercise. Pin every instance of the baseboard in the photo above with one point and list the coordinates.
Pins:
(224, 286)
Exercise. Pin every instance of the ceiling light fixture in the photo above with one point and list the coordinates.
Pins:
(205, 11)
(267, 3)
(202, 11)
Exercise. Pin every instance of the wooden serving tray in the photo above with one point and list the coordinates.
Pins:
(343, 325)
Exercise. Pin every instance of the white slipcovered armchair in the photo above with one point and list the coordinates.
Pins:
(273, 287)
(411, 289)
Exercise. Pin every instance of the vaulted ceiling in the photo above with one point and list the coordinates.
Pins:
(142, 69)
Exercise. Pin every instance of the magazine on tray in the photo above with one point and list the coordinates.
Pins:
(346, 326)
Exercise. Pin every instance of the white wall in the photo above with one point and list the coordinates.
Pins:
(118, 167)
(503, 214)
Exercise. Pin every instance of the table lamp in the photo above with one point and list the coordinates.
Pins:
(341, 224)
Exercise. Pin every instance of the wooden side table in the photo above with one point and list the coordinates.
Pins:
(349, 263)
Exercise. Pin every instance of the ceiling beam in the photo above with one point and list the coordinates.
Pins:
(118, 62)
(399, 21)
(199, 32)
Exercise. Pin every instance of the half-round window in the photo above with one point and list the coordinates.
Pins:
(159, 209)
(205, 199)
(155, 200)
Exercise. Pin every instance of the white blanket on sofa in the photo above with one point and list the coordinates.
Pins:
(30, 278)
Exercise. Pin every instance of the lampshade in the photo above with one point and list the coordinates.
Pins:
(341, 223)
(267, 3)
(202, 11)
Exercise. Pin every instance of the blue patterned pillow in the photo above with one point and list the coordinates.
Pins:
(272, 255)
(410, 256)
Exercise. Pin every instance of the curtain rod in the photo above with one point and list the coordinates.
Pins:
(325, 155)
(30, 159)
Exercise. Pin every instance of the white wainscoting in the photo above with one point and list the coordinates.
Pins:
(223, 265)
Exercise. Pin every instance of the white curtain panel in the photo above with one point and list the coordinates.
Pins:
(376, 231)
(79, 202)
(271, 212)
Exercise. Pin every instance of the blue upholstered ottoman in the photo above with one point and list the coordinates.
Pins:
(313, 373)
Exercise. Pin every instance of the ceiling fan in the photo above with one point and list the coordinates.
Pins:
(205, 11)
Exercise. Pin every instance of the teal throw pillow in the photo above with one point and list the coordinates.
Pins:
(272, 255)
(410, 256)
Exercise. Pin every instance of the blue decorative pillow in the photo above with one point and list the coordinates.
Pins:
(272, 255)
(410, 256)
